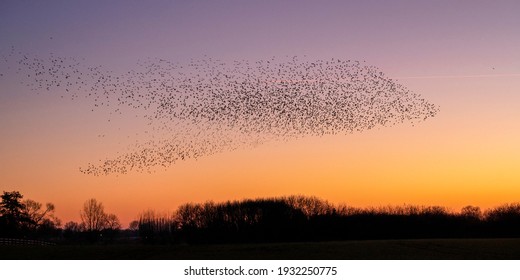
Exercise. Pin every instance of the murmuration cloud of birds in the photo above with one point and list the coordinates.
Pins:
(205, 106)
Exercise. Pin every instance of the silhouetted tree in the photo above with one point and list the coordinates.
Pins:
(13, 218)
(471, 212)
(112, 222)
(310, 206)
(93, 215)
(40, 219)
(95, 220)
(134, 225)
(112, 227)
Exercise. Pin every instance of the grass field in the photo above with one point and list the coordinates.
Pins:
(344, 250)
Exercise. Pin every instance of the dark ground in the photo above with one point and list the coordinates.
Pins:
(344, 250)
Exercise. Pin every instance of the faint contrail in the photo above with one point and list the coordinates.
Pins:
(457, 76)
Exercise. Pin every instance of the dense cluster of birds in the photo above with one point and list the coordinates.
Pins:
(205, 106)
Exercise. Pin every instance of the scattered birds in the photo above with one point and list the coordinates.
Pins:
(206, 106)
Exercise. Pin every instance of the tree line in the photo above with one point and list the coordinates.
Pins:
(280, 219)
(301, 218)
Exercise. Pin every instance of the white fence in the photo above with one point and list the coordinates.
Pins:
(24, 242)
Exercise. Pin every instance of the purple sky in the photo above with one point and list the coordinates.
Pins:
(408, 37)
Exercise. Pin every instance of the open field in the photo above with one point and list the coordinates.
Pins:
(371, 249)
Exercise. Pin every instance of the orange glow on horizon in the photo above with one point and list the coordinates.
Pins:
(388, 166)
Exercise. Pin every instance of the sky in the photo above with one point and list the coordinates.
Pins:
(460, 55)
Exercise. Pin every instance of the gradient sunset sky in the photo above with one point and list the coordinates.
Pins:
(461, 55)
